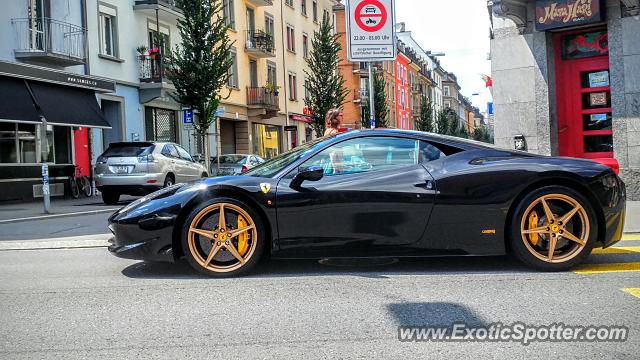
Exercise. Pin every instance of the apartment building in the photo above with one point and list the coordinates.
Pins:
(49, 103)
(265, 112)
(122, 38)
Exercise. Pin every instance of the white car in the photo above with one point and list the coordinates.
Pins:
(140, 168)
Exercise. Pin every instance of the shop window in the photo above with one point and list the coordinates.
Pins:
(590, 44)
(600, 121)
(266, 142)
(62, 144)
(27, 143)
(8, 153)
(598, 143)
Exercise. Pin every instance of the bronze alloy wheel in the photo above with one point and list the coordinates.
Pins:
(222, 237)
(555, 228)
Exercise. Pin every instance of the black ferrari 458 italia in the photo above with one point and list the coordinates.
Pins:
(381, 193)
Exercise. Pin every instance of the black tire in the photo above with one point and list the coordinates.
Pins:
(254, 257)
(110, 198)
(522, 251)
(204, 175)
(73, 186)
(169, 180)
(85, 185)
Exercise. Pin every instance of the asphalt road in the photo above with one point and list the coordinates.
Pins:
(84, 303)
(55, 227)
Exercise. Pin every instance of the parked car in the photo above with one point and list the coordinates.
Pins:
(234, 164)
(140, 168)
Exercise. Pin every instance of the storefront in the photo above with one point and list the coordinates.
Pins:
(300, 129)
(566, 80)
(267, 140)
(44, 118)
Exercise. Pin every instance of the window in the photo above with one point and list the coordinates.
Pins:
(447, 104)
(291, 39)
(325, 15)
(303, 7)
(289, 2)
(272, 74)
(306, 88)
(366, 154)
(170, 151)
(228, 13)
(314, 5)
(160, 124)
(269, 24)
(184, 155)
(232, 82)
(18, 143)
(293, 88)
(108, 33)
(447, 91)
(305, 45)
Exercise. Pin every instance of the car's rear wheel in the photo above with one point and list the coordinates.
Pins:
(223, 237)
(110, 198)
(553, 229)
(169, 180)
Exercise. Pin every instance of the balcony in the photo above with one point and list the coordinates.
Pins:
(262, 102)
(168, 10)
(50, 41)
(416, 88)
(153, 83)
(360, 95)
(259, 44)
(261, 2)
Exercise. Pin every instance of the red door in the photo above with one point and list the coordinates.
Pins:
(583, 96)
(81, 147)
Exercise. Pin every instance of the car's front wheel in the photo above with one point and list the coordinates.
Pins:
(223, 237)
(553, 228)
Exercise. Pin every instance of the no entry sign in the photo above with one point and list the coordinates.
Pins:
(370, 30)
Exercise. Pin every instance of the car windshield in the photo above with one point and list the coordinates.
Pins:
(279, 163)
(230, 159)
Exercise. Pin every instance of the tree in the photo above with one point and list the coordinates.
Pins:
(199, 67)
(425, 121)
(326, 85)
(482, 134)
(442, 121)
(379, 103)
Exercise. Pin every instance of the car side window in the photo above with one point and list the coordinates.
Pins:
(430, 152)
(253, 160)
(366, 154)
(170, 151)
(184, 154)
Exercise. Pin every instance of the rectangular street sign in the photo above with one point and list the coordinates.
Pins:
(188, 116)
(370, 30)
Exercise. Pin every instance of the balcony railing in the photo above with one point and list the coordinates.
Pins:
(260, 43)
(46, 39)
(150, 68)
(360, 95)
(262, 97)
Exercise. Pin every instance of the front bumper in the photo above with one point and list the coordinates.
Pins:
(131, 241)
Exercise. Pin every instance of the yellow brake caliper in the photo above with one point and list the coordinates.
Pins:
(533, 223)
(243, 239)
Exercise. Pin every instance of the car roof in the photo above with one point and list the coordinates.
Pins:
(465, 144)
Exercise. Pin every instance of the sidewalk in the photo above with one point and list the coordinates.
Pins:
(25, 211)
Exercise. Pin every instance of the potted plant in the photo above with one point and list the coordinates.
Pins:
(142, 51)
(153, 53)
(272, 88)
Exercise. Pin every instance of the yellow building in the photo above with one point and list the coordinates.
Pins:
(272, 40)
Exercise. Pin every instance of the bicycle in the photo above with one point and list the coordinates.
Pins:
(79, 184)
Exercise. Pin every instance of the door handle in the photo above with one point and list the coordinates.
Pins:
(427, 185)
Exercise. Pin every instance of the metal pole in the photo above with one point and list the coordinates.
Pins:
(44, 153)
(372, 116)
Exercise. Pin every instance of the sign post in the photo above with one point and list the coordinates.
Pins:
(45, 187)
(371, 37)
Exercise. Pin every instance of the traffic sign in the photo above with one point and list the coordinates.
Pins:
(188, 116)
(370, 30)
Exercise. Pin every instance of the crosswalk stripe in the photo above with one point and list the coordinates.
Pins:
(617, 250)
(630, 237)
(633, 291)
(607, 268)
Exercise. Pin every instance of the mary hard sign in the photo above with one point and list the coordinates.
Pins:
(554, 14)
(370, 30)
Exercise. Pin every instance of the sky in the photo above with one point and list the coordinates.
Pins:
(460, 29)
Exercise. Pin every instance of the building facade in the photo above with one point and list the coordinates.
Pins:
(49, 103)
(569, 85)
(265, 113)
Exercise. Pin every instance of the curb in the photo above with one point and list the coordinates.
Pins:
(72, 242)
(55, 216)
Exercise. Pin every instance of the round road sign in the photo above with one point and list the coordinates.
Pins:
(370, 15)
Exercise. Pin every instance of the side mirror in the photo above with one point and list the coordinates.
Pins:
(311, 173)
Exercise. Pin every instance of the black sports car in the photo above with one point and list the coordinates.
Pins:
(381, 193)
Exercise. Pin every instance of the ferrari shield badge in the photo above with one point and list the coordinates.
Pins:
(265, 187)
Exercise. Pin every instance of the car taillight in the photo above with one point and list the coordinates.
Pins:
(101, 160)
(244, 169)
(146, 158)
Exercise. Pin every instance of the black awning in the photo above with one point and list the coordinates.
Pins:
(15, 101)
(64, 105)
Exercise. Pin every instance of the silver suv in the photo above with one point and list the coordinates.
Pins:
(140, 168)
